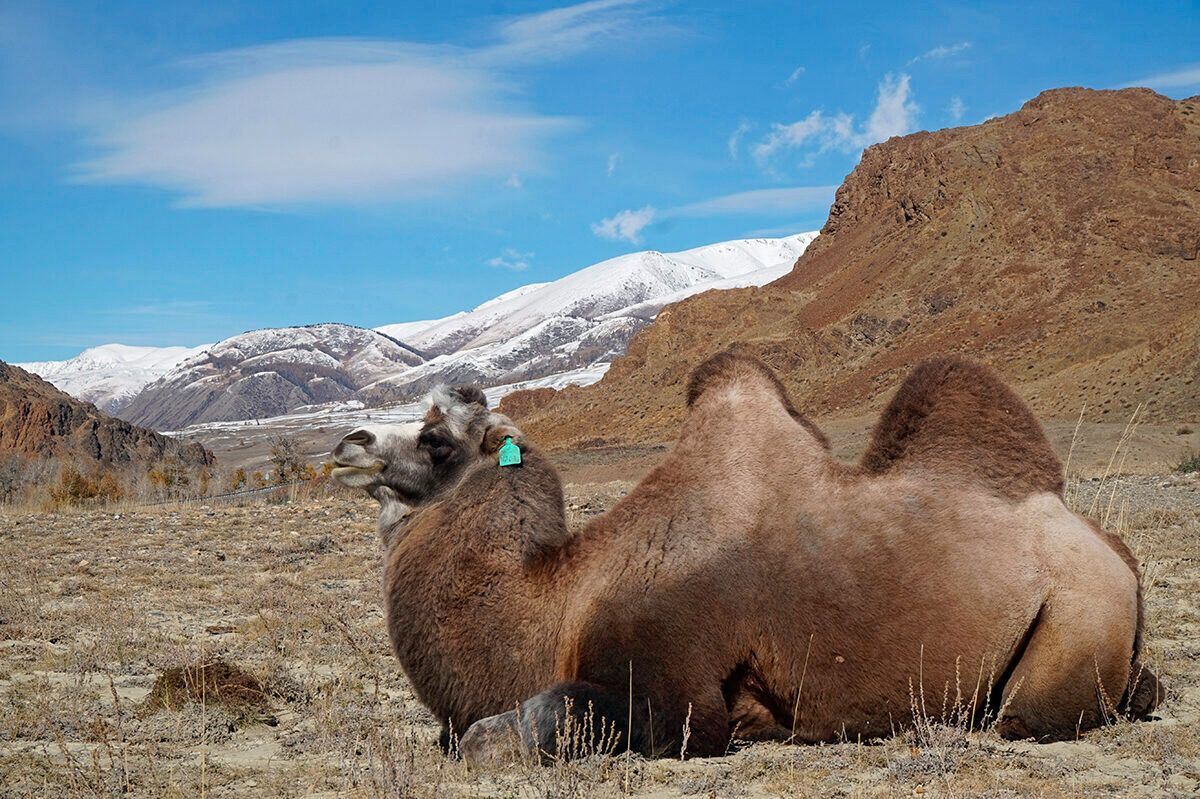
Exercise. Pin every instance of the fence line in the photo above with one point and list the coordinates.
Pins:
(220, 497)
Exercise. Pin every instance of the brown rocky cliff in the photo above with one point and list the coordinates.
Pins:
(1058, 243)
(38, 419)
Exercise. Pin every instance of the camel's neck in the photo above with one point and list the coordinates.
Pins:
(474, 595)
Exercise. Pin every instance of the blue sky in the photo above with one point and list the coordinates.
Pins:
(174, 173)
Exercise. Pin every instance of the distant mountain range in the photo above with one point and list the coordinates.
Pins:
(536, 331)
(111, 375)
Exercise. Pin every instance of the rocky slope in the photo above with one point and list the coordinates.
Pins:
(38, 419)
(111, 375)
(1058, 243)
(269, 372)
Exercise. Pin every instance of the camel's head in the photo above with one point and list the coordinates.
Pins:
(413, 462)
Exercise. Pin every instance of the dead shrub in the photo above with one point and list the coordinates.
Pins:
(100, 487)
(214, 682)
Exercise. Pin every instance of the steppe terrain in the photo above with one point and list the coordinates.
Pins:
(240, 650)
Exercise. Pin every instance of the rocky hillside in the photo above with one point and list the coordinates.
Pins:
(1058, 243)
(38, 419)
(269, 372)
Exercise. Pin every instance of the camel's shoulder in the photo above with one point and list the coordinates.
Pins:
(956, 417)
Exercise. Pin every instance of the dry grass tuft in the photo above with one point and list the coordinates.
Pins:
(215, 682)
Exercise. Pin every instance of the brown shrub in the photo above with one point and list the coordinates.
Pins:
(100, 487)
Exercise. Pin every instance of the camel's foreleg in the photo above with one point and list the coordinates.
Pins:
(568, 720)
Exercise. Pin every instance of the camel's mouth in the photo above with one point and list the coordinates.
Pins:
(346, 469)
(356, 476)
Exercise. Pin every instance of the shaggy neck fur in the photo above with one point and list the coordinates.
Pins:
(490, 542)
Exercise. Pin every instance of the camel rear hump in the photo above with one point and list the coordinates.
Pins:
(956, 417)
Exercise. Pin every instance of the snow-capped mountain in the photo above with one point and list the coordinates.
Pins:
(111, 375)
(587, 317)
(602, 290)
(574, 325)
(269, 372)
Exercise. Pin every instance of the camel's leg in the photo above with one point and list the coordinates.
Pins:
(569, 720)
(1073, 670)
(575, 719)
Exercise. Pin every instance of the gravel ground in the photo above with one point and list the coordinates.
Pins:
(107, 617)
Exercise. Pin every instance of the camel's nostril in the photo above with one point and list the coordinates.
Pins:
(360, 437)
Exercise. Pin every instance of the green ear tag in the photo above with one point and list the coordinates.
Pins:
(510, 453)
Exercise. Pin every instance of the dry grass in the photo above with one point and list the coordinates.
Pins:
(240, 650)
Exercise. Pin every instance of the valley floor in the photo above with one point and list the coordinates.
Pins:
(100, 610)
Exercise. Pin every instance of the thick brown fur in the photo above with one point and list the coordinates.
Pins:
(956, 417)
(752, 585)
(727, 366)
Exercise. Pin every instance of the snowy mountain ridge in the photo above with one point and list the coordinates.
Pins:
(574, 325)
(111, 375)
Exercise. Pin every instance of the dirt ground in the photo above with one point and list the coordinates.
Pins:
(240, 650)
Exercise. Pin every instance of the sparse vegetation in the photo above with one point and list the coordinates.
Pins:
(259, 628)
(1189, 465)
(289, 461)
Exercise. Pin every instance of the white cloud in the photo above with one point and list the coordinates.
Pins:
(350, 120)
(795, 76)
(560, 32)
(895, 114)
(628, 225)
(1175, 79)
(957, 108)
(942, 51)
(613, 160)
(760, 201)
(625, 225)
(735, 138)
(817, 129)
(514, 181)
(511, 259)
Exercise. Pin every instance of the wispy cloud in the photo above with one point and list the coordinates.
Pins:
(350, 120)
(613, 160)
(1180, 78)
(957, 108)
(795, 76)
(511, 259)
(735, 138)
(940, 52)
(625, 225)
(628, 225)
(761, 201)
(895, 114)
(174, 308)
(561, 32)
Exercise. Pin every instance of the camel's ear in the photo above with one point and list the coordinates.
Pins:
(470, 394)
(495, 436)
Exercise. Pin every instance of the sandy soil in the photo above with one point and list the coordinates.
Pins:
(102, 613)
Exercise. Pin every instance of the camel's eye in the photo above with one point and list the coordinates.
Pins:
(438, 444)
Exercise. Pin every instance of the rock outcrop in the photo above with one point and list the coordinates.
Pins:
(37, 419)
(1058, 243)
